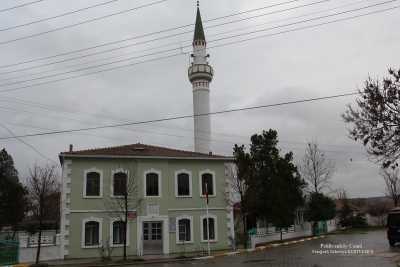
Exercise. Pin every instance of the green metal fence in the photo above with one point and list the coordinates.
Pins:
(8, 252)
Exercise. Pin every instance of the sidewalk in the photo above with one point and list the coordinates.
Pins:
(151, 259)
(133, 260)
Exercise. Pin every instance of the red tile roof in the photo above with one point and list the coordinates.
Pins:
(141, 150)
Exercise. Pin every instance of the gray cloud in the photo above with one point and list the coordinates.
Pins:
(311, 63)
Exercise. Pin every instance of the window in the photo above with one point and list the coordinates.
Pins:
(211, 227)
(152, 184)
(120, 184)
(118, 232)
(93, 184)
(92, 232)
(207, 179)
(183, 184)
(184, 230)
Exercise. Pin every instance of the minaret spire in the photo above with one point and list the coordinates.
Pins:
(200, 75)
(198, 29)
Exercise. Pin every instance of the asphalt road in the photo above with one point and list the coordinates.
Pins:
(362, 249)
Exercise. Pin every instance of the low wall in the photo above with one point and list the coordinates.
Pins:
(265, 235)
(50, 248)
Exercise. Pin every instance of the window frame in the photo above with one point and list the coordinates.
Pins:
(159, 183)
(187, 217)
(215, 228)
(113, 172)
(83, 233)
(189, 173)
(208, 171)
(112, 221)
(100, 172)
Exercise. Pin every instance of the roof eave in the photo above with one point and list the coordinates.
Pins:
(144, 157)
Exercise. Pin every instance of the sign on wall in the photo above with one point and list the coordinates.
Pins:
(132, 215)
(172, 224)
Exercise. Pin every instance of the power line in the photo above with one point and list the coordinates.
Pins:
(82, 22)
(153, 48)
(100, 71)
(119, 119)
(143, 35)
(57, 16)
(21, 5)
(159, 38)
(213, 140)
(27, 144)
(183, 116)
(287, 144)
(211, 47)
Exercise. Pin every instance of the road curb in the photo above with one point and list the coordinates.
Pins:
(269, 246)
(225, 254)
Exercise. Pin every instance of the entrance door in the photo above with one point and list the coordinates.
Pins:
(152, 238)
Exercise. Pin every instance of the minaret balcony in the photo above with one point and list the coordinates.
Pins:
(200, 72)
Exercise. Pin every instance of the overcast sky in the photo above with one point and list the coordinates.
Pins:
(322, 61)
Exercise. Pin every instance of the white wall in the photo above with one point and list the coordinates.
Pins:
(296, 231)
(49, 251)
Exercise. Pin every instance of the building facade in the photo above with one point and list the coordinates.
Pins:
(167, 189)
(169, 210)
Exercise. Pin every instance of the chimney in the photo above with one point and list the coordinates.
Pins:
(71, 148)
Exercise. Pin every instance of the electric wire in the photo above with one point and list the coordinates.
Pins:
(153, 48)
(182, 116)
(157, 39)
(21, 5)
(58, 16)
(109, 117)
(82, 22)
(210, 47)
(27, 144)
(143, 35)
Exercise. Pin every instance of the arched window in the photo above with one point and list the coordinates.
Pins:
(120, 180)
(92, 233)
(207, 184)
(208, 228)
(184, 229)
(183, 184)
(152, 184)
(118, 233)
(93, 184)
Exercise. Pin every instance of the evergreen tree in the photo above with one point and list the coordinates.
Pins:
(12, 193)
(274, 183)
(345, 213)
(319, 208)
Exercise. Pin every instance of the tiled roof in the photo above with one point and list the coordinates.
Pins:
(141, 150)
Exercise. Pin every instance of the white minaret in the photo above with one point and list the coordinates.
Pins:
(200, 75)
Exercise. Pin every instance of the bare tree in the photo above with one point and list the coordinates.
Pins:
(235, 194)
(240, 173)
(42, 185)
(124, 202)
(316, 169)
(375, 119)
(392, 181)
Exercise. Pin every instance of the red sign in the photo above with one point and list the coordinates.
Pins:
(132, 215)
